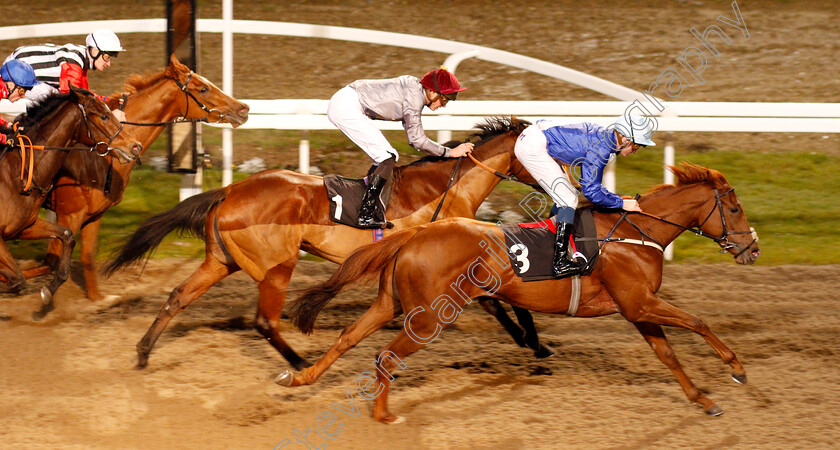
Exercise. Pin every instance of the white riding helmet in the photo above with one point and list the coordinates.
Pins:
(104, 40)
(641, 130)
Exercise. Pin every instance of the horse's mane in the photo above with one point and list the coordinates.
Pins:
(690, 173)
(138, 82)
(36, 112)
(487, 130)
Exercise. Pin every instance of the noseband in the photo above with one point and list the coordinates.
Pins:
(189, 94)
(100, 144)
(723, 240)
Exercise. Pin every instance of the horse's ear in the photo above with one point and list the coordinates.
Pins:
(175, 68)
(79, 92)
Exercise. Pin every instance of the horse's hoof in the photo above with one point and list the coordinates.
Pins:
(285, 378)
(389, 419)
(714, 410)
(47, 305)
(544, 352)
(399, 419)
(740, 378)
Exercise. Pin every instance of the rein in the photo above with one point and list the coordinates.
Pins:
(27, 151)
(722, 240)
(182, 119)
(481, 165)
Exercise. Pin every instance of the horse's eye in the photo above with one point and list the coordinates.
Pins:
(204, 90)
(734, 210)
(106, 116)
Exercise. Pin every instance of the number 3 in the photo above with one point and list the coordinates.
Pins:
(520, 251)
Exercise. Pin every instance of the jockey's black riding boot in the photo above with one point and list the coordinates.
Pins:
(563, 266)
(372, 211)
(371, 214)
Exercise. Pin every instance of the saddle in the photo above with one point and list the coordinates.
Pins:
(530, 246)
(346, 195)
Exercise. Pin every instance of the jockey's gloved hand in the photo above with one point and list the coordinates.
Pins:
(8, 138)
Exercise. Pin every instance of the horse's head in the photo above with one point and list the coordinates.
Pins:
(101, 131)
(202, 99)
(721, 216)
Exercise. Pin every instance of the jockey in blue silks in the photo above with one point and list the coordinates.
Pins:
(589, 146)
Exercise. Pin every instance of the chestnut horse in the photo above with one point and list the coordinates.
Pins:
(86, 189)
(416, 268)
(58, 122)
(259, 225)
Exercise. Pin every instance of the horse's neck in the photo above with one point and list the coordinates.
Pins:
(679, 204)
(155, 103)
(418, 190)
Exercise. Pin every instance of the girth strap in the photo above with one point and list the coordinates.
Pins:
(574, 300)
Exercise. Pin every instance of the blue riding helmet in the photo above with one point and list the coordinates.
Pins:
(19, 73)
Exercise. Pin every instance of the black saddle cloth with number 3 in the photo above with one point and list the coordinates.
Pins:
(531, 246)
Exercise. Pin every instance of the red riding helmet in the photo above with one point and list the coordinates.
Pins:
(441, 81)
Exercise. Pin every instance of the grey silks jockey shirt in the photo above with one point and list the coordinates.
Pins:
(399, 99)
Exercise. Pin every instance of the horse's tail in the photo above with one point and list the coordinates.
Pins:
(188, 217)
(363, 264)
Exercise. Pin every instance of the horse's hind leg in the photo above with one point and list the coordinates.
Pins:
(388, 360)
(655, 337)
(208, 274)
(14, 281)
(272, 298)
(90, 243)
(382, 310)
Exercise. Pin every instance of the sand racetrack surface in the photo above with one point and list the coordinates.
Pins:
(69, 381)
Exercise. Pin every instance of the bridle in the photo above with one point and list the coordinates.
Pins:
(95, 148)
(100, 148)
(183, 119)
(722, 240)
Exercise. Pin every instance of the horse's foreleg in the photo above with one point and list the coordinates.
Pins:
(90, 244)
(208, 274)
(495, 309)
(660, 312)
(42, 229)
(272, 298)
(655, 337)
(382, 311)
(524, 335)
(531, 337)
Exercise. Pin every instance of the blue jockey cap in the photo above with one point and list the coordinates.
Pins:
(19, 73)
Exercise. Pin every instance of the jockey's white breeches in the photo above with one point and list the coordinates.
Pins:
(532, 151)
(345, 112)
